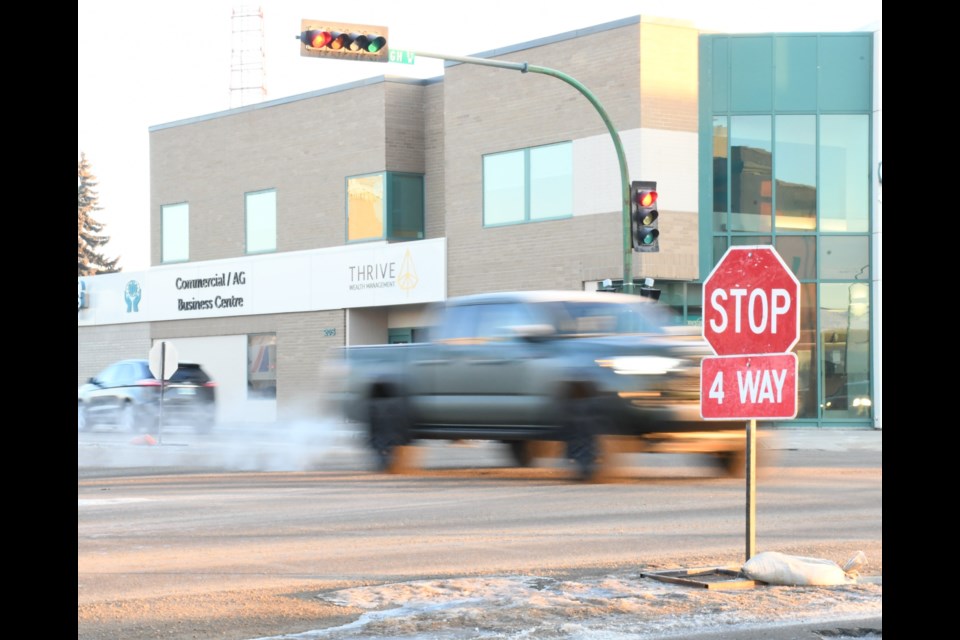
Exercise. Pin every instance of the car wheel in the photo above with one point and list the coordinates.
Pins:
(733, 463)
(387, 433)
(128, 418)
(522, 452)
(582, 439)
(82, 423)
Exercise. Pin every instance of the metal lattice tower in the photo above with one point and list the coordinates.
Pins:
(247, 68)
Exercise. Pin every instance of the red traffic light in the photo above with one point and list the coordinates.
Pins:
(321, 39)
(646, 198)
(316, 38)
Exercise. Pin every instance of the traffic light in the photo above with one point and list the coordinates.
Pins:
(644, 216)
(322, 39)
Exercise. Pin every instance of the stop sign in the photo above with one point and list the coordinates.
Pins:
(751, 303)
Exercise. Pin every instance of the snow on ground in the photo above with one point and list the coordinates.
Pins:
(612, 607)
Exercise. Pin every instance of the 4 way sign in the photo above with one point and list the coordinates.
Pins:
(751, 319)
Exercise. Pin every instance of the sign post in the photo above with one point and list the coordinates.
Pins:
(751, 319)
(164, 362)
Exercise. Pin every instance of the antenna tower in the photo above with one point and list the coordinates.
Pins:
(247, 70)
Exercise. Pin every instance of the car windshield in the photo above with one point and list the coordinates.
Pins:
(190, 373)
(593, 318)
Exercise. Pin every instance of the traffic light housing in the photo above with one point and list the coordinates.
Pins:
(644, 216)
(324, 39)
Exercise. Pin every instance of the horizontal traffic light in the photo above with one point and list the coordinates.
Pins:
(320, 39)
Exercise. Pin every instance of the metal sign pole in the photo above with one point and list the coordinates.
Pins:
(163, 386)
(751, 487)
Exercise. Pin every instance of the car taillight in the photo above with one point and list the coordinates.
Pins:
(211, 383)
(148, 382)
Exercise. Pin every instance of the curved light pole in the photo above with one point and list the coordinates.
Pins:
(523, 67)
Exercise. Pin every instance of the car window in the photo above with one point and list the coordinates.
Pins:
(499, 320)
(108, 376)
(459, 322)
(190, 373)
(602, 318)
(128, 373)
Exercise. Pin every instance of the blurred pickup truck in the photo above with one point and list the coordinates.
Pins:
(581, 374)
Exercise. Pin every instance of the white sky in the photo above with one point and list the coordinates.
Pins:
(144, 64)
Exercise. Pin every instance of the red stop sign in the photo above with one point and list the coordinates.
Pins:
(751, 303)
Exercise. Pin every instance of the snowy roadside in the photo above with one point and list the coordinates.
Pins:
(608, 607)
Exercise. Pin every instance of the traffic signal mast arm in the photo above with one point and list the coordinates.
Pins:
(524, 67)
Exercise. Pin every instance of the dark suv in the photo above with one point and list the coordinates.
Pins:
(126, 395)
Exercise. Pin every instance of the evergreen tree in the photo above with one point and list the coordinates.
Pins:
(90, 261)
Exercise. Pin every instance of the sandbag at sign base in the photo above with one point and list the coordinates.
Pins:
(778, 568)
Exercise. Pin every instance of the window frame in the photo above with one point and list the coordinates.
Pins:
(529, 193)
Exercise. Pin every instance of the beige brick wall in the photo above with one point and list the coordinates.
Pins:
(669, 75)
(303, 148)
(100, 346)
(489, 110)
(434, 180)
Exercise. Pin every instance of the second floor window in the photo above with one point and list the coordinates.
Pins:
(527, 185)
(261, 220)
(175, 232)
(385, 206)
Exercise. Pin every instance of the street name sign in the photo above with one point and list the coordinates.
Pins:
(402, 56)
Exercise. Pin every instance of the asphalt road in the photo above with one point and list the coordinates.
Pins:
(256, 533)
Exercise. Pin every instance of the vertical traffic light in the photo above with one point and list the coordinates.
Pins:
(322, 39)
(644, 215)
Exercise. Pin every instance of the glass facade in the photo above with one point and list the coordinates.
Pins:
(786, 159)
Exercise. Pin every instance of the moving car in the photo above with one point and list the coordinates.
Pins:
(126, 395)
(581, 369)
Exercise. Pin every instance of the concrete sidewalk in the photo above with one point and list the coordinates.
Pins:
(827, 439)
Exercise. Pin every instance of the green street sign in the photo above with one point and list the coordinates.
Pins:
(401, 56)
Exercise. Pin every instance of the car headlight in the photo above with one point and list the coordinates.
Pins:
(641, 365)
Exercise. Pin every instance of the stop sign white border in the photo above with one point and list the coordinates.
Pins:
(795, 295)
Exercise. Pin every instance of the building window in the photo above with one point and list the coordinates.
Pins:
(385, 206)
(175, 232)
(365, 208)
(844, 173)
(262, 365)
(527, 185)
(845, 336)
(261, 219)
(795, 168)
(751, 195)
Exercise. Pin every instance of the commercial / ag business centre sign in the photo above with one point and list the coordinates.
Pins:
(751, 319)
(355, 276)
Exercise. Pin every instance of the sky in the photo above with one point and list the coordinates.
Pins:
(145, 64)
